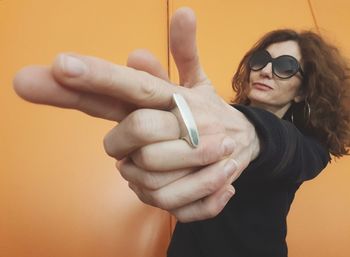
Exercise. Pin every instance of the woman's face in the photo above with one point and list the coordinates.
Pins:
(271, 92)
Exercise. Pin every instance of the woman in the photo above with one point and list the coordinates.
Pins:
(290, 115)
(293, 79)
(297, 77)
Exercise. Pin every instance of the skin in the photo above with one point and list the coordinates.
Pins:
(163, 170)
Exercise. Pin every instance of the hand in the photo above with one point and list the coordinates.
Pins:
(171, 175)
(110, 91)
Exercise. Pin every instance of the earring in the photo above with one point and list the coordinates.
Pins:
(306, 113)
(308, 109)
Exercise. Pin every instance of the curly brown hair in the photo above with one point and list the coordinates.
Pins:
(325, 85)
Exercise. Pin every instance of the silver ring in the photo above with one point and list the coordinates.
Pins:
(187, 124)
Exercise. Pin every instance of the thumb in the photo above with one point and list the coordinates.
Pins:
(184, 49)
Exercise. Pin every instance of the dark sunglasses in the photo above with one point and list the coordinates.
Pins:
(284, 66)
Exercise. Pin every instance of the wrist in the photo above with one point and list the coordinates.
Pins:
(240, 128)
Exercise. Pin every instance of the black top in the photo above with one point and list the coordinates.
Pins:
(253, 223)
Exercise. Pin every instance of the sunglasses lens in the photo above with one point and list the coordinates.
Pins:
(259, 60)
(285, 66)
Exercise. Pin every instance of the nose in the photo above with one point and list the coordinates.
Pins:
(267, 70)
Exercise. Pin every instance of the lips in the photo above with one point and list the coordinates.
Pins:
(261, 86)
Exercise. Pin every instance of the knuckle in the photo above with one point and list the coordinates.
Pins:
(136, 122)
(123, 172)
(143, 158)
(157, 200)
(212, 185)
(144, 179)
(211, 150)
(212, 208)
(143, 198)
(212, 211)
(148, 89)
(184, 216)
(139, 126)
(150, 181)
(109, 77)
(160, 200)
(136, 191)
(140, 194)
(107, 145)
(205, 155)
(181, 218)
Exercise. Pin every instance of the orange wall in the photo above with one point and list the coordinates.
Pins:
(60, 195)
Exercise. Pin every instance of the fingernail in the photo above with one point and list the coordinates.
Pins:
(230, 167)
(227, 196)
(228, 146)
(72, 66)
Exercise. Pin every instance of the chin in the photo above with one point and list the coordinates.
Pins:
(258, 97)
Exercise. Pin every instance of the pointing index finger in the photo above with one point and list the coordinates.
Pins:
(91, 74)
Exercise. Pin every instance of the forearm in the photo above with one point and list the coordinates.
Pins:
(285, 153)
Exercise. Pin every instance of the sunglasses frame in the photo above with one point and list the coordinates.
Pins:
(272, 60)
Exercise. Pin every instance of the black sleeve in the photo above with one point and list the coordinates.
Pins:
(285, 153)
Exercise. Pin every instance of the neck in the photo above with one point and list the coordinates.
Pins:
(279, 111)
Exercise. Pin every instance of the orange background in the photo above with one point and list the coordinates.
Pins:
(60, 195)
